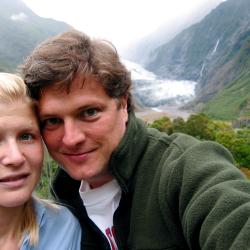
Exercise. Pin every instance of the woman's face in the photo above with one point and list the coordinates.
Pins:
(21, 153)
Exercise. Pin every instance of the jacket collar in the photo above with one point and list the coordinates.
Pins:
(124, 159)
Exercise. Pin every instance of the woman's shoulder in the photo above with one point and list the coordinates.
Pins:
(58, 227)
(48, 210)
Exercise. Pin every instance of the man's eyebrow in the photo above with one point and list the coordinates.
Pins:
(48, 113)
(87, 106)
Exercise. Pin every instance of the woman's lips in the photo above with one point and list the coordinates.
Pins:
(14, 181)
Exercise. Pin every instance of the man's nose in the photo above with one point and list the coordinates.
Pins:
(73, 133)
(12, 154)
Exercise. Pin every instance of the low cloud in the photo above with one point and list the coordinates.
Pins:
(19, 17)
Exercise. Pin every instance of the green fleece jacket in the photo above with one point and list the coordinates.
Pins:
(178, 193)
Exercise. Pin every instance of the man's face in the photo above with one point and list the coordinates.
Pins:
(82, 128)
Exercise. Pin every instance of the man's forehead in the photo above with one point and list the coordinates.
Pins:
(78, 83)
(88, 94)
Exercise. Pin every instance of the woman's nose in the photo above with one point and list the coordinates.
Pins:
(12, 155)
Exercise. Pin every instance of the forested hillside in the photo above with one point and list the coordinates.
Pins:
(20, 31)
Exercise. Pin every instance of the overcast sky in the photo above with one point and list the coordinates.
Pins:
(120, 21)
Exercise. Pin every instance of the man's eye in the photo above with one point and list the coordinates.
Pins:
(50, 122)
(90, 112)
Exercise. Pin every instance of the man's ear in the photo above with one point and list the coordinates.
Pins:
(122, 106)
(123, 102)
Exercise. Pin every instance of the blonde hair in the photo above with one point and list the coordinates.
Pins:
(27, 223)
(13, 88)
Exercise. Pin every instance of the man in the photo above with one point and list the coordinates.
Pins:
(131, 187)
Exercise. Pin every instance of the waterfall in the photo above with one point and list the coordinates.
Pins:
(216, 46)
(202, 69)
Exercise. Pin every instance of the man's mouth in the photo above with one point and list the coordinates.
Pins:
(79, 156)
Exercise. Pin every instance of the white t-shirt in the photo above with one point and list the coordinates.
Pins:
(101, 204)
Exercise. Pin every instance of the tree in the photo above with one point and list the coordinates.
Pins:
(179, 125)
(200, 126)
(163, 124)
(242, 147)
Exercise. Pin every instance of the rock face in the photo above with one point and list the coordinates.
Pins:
(139, 51)
(209, 52)
(20, 31)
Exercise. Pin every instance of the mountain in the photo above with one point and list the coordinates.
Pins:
(20, 31)
(213, 52)
(233, 101)
(139, 51)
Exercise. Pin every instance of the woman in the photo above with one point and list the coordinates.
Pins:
(27, 222)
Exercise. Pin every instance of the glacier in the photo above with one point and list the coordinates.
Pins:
(151, 91)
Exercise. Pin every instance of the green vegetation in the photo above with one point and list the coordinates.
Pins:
(202, 127)
(163, 124)
(48, 173)
(232, 102)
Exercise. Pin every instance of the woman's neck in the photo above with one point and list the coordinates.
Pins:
(9, 219)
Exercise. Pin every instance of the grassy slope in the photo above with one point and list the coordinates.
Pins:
(234, 100)
(231, 102)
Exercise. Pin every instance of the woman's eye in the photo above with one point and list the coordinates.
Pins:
(26, 137)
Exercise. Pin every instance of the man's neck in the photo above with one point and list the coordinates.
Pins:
(99, 183)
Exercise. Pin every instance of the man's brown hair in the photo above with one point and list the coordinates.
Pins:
(59, 59)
